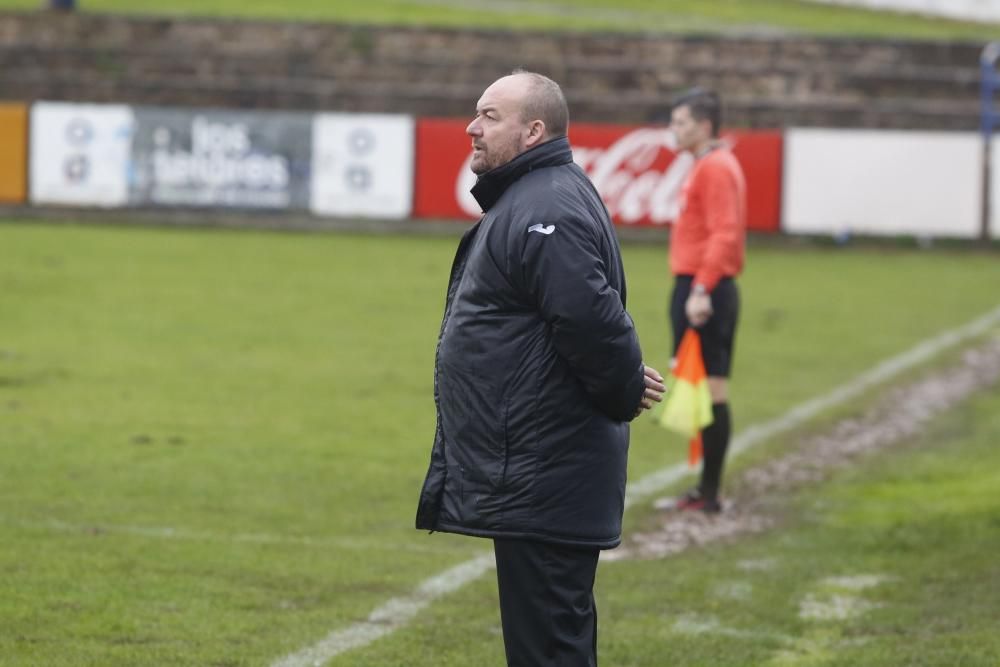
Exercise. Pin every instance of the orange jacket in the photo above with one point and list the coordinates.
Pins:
(709, 235)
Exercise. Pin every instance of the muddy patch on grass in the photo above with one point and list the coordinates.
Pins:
(758, 493)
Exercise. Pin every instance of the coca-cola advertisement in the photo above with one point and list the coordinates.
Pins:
(636, 169)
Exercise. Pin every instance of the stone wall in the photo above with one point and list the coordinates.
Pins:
(766, 81)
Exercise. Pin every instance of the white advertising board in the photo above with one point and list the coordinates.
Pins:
(995, 188)
(80, 154)
(362, 165)
(882, 182)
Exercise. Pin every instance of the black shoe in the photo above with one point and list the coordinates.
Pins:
(693, 500)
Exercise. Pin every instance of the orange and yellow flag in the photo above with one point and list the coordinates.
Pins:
(688, 407)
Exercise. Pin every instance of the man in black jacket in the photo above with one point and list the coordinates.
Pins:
(538, 373)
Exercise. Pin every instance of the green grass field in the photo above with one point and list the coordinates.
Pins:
(211, 444)
(921, 525)
(756, 16)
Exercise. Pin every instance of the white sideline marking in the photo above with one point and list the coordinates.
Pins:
(390, 616)
(395, 613)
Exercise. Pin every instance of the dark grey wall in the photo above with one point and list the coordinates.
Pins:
(766, 81)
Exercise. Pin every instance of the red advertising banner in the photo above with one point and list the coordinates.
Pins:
(636, 170)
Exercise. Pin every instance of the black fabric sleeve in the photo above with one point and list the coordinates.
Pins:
(566, 271)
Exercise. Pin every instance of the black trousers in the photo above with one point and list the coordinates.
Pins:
(547, 603)
(719, 333)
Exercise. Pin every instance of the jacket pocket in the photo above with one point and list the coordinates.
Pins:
(474, 420)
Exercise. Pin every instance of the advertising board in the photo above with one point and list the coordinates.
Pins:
(362, 165)
(221, 159)
(882, 182)
(13, 152)
(80, 154)
(636, 170)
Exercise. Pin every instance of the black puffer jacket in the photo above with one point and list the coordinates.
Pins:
(538, 365)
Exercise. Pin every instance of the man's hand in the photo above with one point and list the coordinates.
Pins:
(698, 307)
(654, 389)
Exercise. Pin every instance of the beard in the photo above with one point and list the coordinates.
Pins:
(496, 155)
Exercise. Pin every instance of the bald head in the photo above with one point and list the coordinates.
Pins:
(516, 113)
(543, 100)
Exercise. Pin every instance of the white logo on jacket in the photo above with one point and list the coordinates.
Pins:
(542, 229)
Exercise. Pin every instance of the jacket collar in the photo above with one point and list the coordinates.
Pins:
(491, 185)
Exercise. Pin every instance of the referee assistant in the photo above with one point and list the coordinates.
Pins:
(706, 254)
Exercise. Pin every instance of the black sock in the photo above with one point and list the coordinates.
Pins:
(715, 441)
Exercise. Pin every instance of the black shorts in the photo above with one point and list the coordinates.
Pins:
(719, 333)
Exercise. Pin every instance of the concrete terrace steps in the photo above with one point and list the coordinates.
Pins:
(608, 78)
(934, 81)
